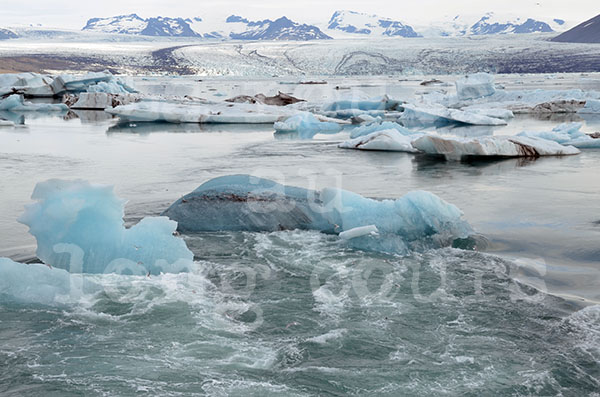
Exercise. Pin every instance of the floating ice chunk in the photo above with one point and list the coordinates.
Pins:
(306, 122)
(99, 100)
(201, 112)
(72, 83)
(490, 112)
(475, 86)
(591, 106)
(417, 220)
(567, 134)
(36, 283)
(113, 86)
(492, 146)
(74, 220)
(6, 123)
(432, 113)
(243, 202)
(17, 103)
(355, 102)
(386, 140)
(370, 230)
(374, 127)
(365, 118)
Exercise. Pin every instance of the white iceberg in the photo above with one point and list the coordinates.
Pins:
(6, 123)
(185, 111)
(386, 140)
(492, 146)
(370, 230)
(357, 101)
(567, 134)
(431, 114)
(79, 227)
(306, 122)
(18, 104)
(100, 100)
(378, 126)
(497, 113)
(475, 86)
(592, 106)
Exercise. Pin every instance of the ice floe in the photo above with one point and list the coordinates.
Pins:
(567, 134)
(491, 146)
(247, 203)
(435, 114)
(98, 100)
(379, 126)
(17, 103)
(386, 140)
(79, 227)
(475, 86)
(592, 106)
(306, 122)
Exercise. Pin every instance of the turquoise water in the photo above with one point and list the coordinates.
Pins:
(296, 312)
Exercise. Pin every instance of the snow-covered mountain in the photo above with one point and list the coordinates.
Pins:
(234, 27)
(7, 34)
(491, 23)
(279, 29)
(586, 32)
(133, 24)
(369, 25)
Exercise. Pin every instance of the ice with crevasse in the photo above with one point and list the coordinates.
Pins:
(435, 114)
(592, 106)
(306, 123)
(247, 203)
(491, 146)
(79, 227)
(38, 283)
(567, 134)
(475, 86)
(385, 140)
(379, 126)
(17, 103)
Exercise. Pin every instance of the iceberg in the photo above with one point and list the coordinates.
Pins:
(247, 203)
(37, 283)
(6, 123)
(567, 134)
(358, 104)
(491, 146)
(17, 103)
(378, 126)
(497, 113)
(306, 122)
(79, 227)
(39, 85)
(433, 114)
(475, 86)
(386, 140)
(186, 111)
(98, 100)
(280, 99)
(592, 106)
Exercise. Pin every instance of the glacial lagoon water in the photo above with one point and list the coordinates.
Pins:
(297, 312)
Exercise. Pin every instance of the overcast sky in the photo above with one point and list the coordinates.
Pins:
(74, 14)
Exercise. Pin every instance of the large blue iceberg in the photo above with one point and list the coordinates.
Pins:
(79, 227)
(246, 203)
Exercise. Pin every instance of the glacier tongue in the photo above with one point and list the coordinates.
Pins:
(79, 227)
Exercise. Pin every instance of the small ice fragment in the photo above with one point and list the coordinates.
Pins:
(370, 230)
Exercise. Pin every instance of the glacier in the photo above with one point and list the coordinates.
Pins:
(79, 227)
(385, 140)
(567, 134)
(248, 203)
(491, 146)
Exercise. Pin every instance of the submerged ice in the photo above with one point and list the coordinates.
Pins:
(79, 227)
(247, 203)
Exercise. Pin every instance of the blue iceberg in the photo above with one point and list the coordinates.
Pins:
(377, 126)
(417, 220)
(567, 134)
(306, 125)
(79, 227)
(17, 103)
